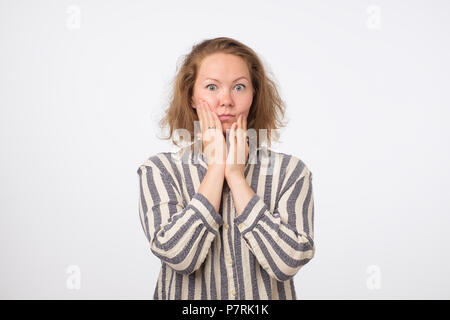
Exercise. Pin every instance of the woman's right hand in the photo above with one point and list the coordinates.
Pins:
(213, 142)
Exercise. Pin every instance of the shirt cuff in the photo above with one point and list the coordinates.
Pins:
(207, 212)
(253, 211)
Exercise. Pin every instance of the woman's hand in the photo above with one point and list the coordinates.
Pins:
(213, 142)
(238, 151)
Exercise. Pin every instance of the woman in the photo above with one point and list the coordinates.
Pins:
(227, 220)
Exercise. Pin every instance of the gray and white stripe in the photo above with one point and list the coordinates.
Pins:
(207, 254)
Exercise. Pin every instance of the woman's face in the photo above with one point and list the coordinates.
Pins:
(224, 82)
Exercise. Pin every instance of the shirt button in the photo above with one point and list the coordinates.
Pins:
(229, 261)
(233, 293)
(225, 226)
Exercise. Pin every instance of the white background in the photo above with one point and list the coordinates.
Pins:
(83, 84)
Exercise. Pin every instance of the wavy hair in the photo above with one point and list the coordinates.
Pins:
(266, 112)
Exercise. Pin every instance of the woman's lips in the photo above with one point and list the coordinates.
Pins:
(225, 118)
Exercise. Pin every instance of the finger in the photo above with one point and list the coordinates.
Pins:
(236, 141)
(201, 117)
(239, 122)
(205, 118)
(205, 115)
(208, 120)
(232, 143)
(206, 136)
(231, 150)
(241, 126)
(244, 136)
(209, 115)
(240, 142)
(238, 125)
(244, 125)
(217, 122)
(245, 131)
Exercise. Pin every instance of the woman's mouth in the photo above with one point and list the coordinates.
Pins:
(225, 118)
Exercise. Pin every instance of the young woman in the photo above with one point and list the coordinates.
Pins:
(228, 217)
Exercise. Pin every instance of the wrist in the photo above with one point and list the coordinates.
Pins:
(217, 168)
(234, 178)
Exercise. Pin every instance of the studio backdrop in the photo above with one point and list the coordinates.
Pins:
(83, 85)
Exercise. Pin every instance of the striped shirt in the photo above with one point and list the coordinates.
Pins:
(207, 254)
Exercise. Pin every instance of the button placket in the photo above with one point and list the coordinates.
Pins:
(233, 216)
(228, 253)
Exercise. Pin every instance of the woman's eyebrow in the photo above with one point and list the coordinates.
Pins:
(243, 77)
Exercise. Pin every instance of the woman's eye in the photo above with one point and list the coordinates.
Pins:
(240, 84)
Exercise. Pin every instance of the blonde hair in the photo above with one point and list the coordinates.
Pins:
(267, 109)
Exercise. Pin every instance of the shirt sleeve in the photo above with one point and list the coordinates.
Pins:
(180, 235)
(282, 240)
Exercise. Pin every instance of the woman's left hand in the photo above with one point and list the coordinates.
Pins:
(238, 150)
